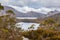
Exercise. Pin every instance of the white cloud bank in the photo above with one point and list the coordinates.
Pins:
(34, 3)
(26, 9)
(42, 6)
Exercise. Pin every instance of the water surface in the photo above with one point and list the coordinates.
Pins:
(26, 25)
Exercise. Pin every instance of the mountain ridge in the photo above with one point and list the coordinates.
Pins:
(28, 14)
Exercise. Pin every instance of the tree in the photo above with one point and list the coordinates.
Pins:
(10, 12)
(48, 23)
(1, 9)
(32, 27)
(11, 18)
(8, 30)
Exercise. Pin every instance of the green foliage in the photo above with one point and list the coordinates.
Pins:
(49, 21)
(1, 7)
(42, 34)
(10, 11)
(32, 27)
(49, 30)
(8, 31)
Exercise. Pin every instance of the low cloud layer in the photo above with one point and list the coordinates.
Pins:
(26, 9)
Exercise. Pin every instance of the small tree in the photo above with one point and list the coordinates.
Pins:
(1, 9)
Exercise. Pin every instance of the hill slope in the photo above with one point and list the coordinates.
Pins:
(28, 14)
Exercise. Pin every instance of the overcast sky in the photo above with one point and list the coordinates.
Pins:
(32, 3)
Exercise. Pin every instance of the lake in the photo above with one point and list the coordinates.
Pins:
(26, 17)
(27, 25)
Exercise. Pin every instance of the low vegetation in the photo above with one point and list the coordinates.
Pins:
(8, 30)
(49, 29)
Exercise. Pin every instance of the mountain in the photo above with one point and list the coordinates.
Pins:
(55, 17)
(35, 14)
(51, 13)
(27, 14)
(18, 14)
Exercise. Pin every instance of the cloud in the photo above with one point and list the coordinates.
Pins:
(6, 0)
(26, 9)
(23, 9)
(33, 3)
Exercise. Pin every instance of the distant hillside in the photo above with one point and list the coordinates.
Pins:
(55, 17)
(28, 14)
(18, 14)
(51, 13)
